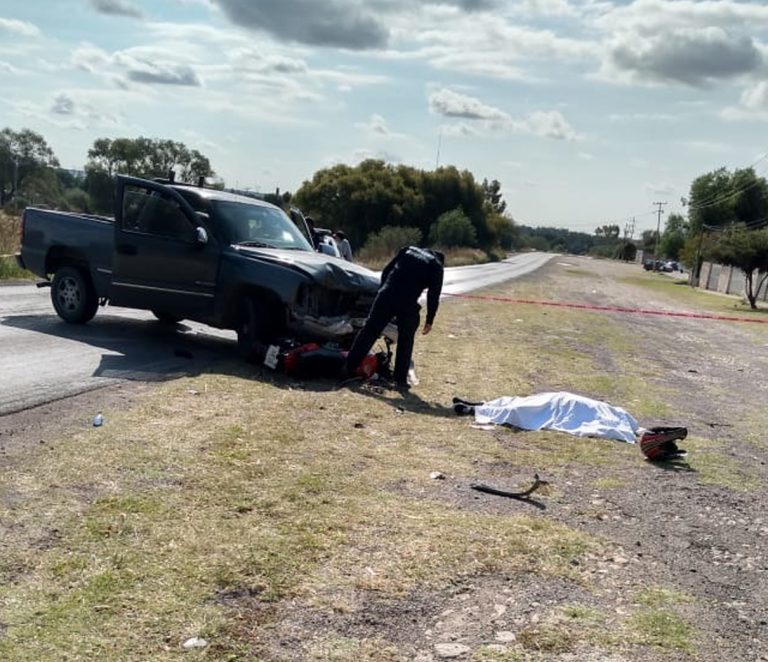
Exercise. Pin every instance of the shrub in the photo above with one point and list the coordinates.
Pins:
(382, 246)
(453, 228)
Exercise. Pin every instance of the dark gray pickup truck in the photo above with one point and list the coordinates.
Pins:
(188, 252)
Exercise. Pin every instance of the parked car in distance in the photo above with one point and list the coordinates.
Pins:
(662, 265)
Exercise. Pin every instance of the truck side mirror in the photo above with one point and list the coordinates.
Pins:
(201, 235)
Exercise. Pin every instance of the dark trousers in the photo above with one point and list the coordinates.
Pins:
(386, 306)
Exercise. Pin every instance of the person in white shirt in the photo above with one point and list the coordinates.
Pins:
(345, 248)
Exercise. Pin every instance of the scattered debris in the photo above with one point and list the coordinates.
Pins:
(537, 483)
(437, 475)
(98, 420)
(194, 642)
(359, 426)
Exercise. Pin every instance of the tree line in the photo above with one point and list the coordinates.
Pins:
(372, 202)
(381, 205)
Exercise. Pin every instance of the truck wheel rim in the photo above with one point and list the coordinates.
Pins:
(69, 294)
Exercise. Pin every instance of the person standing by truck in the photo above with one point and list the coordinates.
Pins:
(403, 280)
(345, 248)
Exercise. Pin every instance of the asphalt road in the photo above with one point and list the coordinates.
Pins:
(44, 359)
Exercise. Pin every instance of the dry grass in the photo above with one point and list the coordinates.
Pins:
(9, 234)
(9, 244)
(121, 542)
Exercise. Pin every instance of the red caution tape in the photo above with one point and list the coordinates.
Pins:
(610, 309)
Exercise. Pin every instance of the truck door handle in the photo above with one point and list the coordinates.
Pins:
(126, 249)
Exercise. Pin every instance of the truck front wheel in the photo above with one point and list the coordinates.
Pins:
(253, 330)
(73, 296)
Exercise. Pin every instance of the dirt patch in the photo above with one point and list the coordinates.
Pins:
(24, 431)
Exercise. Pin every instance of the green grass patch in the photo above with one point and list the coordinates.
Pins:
(663, 629)
(658, 596)
(10, 270)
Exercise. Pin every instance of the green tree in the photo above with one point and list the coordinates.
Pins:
(492, 192)
(649, 241)
(147, 157)
(720, 198)
(673, 238)
(453, 229)
(608, 232)
(363, 199)
(23, 154)
(709, 202)
(748, 251)
(139, 157)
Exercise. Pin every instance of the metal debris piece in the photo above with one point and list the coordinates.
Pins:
(537, 483)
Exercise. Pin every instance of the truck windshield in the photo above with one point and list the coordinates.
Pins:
(257, 225)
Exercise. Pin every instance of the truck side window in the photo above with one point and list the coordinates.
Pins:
(149, 212)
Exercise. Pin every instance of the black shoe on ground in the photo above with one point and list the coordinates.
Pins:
(463, 410)
(468, 403)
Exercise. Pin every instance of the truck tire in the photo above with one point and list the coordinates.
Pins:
(73, 296)
(253, 330)
(166, 318)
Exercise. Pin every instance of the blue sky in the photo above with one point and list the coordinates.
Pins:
(586, 111)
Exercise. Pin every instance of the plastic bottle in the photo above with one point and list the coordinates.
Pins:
(98, 420)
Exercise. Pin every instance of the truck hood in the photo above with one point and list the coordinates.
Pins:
(330, 272)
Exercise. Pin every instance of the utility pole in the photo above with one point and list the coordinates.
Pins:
(658, 231)
(439, 143)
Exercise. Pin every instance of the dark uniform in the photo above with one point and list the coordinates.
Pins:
(403, 280)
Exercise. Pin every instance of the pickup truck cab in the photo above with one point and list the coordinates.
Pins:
(189, 252)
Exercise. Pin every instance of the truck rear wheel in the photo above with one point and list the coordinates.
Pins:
(73, 296)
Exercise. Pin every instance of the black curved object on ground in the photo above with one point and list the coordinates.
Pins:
(537, 483)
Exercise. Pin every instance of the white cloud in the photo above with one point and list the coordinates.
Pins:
(375, 125)
(643, 117)
(378, 154)
(649, 17)
(753, 104)
(22, 28)
(548, 124)
(452, 104)
(459, 129)
(9, 68)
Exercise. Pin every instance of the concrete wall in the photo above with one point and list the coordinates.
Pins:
(728, 280)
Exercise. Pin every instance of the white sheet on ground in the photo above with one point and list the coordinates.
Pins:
(562, 411)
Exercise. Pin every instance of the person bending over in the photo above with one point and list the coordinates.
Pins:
(403, 280)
